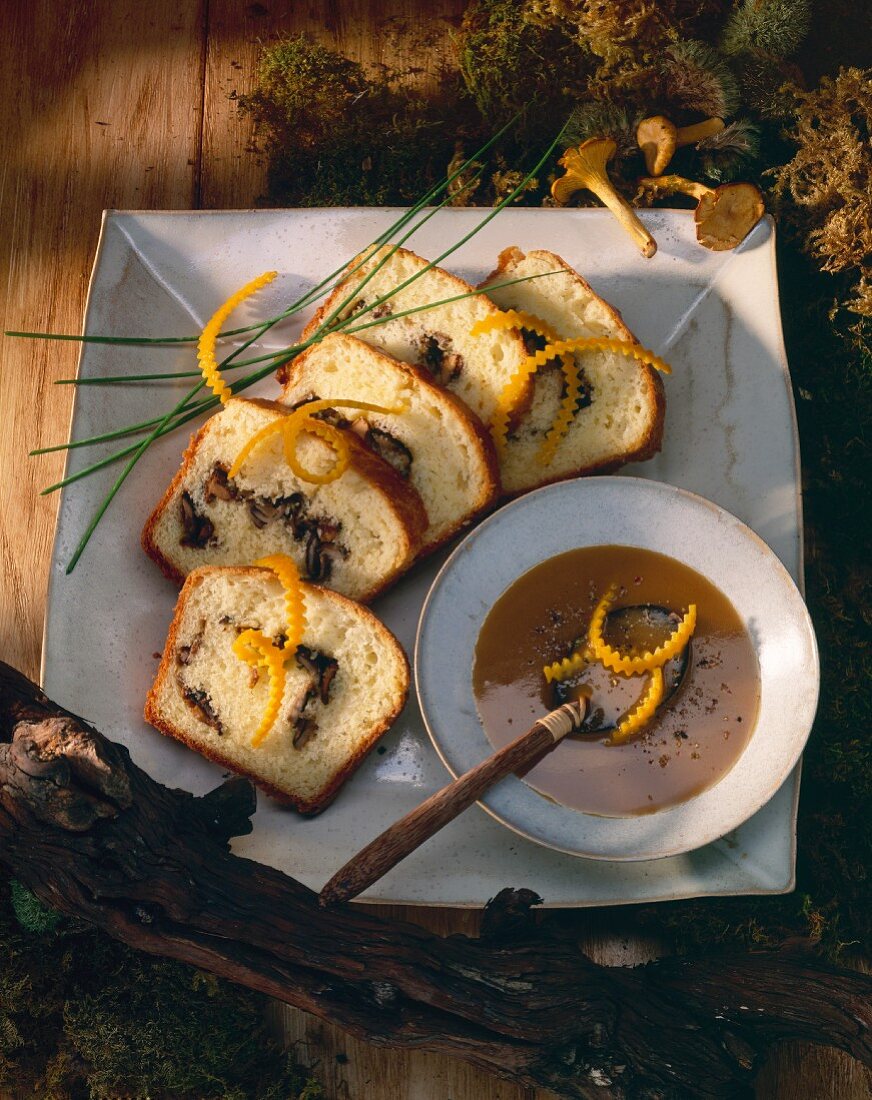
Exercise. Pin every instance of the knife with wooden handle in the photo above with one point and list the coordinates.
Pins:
(410, 832)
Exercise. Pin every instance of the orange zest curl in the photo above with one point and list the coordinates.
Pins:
(515, 318)
(209, 336)
(652, 662)
(514, 388)
(257, 650)
(562, 670)
(520, 319)
(285, 569)
(630, 664)
(290, 427)
(643, 711)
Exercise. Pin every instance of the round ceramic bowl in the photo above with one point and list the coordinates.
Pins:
(628, 512)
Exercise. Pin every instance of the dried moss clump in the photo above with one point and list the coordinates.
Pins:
(82, 1015)
(830, 178)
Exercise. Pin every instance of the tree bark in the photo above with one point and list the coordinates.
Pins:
(92, 835)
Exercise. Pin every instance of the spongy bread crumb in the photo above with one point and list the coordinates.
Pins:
(366, 694)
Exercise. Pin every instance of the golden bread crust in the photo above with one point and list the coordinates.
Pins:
(329, 791)
(403, 499)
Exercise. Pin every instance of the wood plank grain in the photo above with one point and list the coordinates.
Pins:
(105, 112)
(408, 36)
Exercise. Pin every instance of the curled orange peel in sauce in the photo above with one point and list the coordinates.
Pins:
(632, 664)
(253, 647)
(643, 711)
(597, 649)
(302, 419)
(209, 336)
(562, 670)
(514, 388)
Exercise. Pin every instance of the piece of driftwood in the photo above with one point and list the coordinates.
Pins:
(91, 834)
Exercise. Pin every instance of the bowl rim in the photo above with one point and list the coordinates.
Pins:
(507, 802)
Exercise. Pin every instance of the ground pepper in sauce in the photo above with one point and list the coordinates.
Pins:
(693, 740)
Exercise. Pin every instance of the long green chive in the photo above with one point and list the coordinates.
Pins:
(283, 357)
(184, 410)
(310, 295)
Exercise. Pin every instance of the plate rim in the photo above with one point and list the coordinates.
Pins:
(696, 501)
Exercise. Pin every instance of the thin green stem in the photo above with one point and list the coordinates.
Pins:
(311, 294)
(458, 244)
(284, 356)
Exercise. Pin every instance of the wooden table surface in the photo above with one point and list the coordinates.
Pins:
(125, 104)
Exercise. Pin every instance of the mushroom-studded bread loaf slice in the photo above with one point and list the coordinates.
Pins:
(435, 442)
(620, 412)
(438, 340)
(356, 534)
(344, 684)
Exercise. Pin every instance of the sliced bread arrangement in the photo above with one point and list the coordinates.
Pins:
(382, 446)
(619, 414)
(436, 442)
(438, 340)
(344, 684)
(357, 533)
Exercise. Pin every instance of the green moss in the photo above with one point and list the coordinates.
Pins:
(81, 1015)
(29, 911)
(335, 136)
(772, 26)
(505, 48)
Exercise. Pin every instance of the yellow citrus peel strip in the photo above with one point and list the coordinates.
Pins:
(644, 710)
(515, 318)
(629, 664)
(285, 569)
(597, 649)
(303, 420)
(562, 670)
(514, 388)
(257, 650)
(520, 319)
(209, 336)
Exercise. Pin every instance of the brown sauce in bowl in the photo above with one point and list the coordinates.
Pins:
(694, 738)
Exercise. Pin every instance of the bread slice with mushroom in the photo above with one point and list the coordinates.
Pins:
(356, 534)
(436, 443)
(345, 684)
(620, 413)
(439, 340)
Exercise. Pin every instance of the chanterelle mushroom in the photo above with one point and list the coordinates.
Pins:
(658, 138)
(586, 168)
(724, 215)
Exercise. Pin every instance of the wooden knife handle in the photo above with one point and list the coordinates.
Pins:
(407, 834)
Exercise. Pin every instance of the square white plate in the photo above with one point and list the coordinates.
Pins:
(730, 437)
